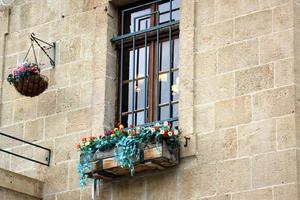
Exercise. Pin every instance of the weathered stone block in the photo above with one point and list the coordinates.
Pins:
(19, 164)
(56, 179)
(46, 103)
(73, 179)
(70, 195)
(274, 168)
(239, 55)
(204, 118)
(264, 194)
(69, 50)
(234, 175)
(6, 117)
(25, 109)
(216, 146)
(205, 64)
(231, 8)
(169, 180)
(65, 148)
(253, 25)
(284, 72)
(78, 23)
(285, 192)
(58, 77)
(16, 130)
(204, 12)
(286, 132)
(128, 189)
(214, 88)
(34, 130)
(264, 4)
(55, 125)
(79, 120)
(254, 79)
(283, 17)
(276, 46)
(274, 103)
(214, 36)
(196, 180)
(258, 137)
(68, 98)
(233, 112)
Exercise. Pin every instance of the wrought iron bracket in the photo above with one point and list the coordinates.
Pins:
(52, 46)
(186, 141)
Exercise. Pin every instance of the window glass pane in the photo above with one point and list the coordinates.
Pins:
(127, 120)
(140, 93)
(175, 86)
(175, 110)
(142, 64)
(164, 112)
(140, 20)
(139, 118)
(164, 10)
(164, 79)
(176, 53)
(127, 97)
(165, 56)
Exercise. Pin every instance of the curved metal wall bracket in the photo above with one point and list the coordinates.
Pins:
(52, 46)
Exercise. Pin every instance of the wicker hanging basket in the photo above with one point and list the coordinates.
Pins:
(32, 86)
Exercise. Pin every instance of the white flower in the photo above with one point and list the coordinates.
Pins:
(152, 130)
(175, 132)
(87, 143)
(170, 133)
(162, 132)
(166, 123)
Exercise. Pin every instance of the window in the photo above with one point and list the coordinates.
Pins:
(148, 55)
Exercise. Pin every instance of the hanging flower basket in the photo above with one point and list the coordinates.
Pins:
(131, 150)
(28, 80)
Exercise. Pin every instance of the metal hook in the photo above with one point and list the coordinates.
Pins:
(186, 140)
(33, 38)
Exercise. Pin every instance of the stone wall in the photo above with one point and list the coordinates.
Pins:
(238, 98)
(15, 186)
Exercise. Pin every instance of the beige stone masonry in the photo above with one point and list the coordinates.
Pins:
(239, 91)
(20, 184)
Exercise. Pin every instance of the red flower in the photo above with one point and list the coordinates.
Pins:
(78, 146)
(131, 126)
(166, 133)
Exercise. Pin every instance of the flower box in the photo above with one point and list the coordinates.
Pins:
(123, 151)
(153, 157)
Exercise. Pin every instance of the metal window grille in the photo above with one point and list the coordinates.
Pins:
(148, 62)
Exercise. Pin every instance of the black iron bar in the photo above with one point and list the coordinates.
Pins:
(153, 28)
(170, 64)
(35, 39)
(26, 158)
(157, 70)
(32, 144)
(139, 6)
(121, 79)
(133, 83)
(145, 78)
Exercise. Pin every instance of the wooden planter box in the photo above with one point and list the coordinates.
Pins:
(153, 157)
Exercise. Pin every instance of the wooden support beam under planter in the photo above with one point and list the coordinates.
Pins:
(153, 157)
